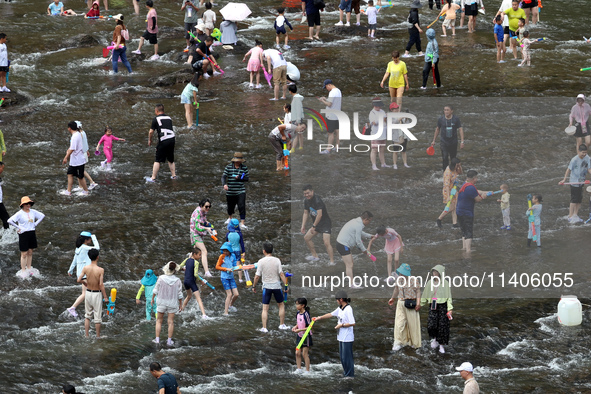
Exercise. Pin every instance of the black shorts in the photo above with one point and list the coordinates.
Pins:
(343, 250)
(324, 228)
(189, 28)
(152, 38)
(332, 125)
(267, 293)
(191, 285)
(4, 216)
(532, 4)
(506, 30)
(513, 34)
(467, 226)
(403, 145)
(77, 171)
(280, 30)
(27, 240)
(165, 151)
(307, 342)
(355, 6)
(579, 132)
(471, 9)
(4, 69)
(576, 194)
(313, 19)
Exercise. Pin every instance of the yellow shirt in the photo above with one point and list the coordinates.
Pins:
(505, 200)
(397, 73)
(514, 17)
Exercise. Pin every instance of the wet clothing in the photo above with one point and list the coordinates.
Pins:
(269, 270)
(191, 273)
(167, 382)
(93, 306)
(169, 291)
(578, 169)
(26, 221)
(237, 241)
(580, 114)
(346, 336)
(236, 193)
(228, 29)
(227, 262)
(537, 212)
(407, 324)
(197, 226)
(280, 23)
(150, 308)
(313, 205)
(413, 32)
(440, 292)
(351, 233)
(303, 320)
(81, 258)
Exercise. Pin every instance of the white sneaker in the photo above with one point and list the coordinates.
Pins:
(357, 24)
(258, 86)
(263, 330)
(227, 221)
(208, 274)
(205, 317)
(396, 348)
(373, 167)
(206, 75)
(325, 152)
(251, 85)
(240, 281)
(5, 89)
(406, 165)
(347, 24)
(306, 372)
(395, 167)
(434, 343)
(312, 258)
(232, 308)
(149, 180)
(65, 193)
(92, 185)
(385, 166)
(298, 371)
(277, 46)
(83, 193)
(339, 24)
(286, 47)
(76, 189)
(156, 340)
(217, 73)
(137, 52)
(170, 342)
(283, 327)
(243, 227)
(103, 163)
(441, 349)
(155, 57)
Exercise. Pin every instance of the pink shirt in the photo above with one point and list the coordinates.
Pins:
(303, 321)
(152, 14)
(108, 141)
(581, 113)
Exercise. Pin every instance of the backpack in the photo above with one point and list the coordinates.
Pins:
(319, 4)
(125, 34)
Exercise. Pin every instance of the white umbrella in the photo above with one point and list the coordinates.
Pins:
(235, 12)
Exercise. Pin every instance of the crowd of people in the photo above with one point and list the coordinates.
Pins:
(164, 293)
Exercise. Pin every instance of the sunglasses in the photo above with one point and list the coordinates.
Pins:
(207, 206)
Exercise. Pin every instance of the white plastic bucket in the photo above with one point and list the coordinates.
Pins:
(570, 311)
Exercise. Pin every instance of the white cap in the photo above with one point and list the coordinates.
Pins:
(465, 367)
(581, 96)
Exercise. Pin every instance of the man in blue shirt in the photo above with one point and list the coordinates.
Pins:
(166, 382)
(468, 195)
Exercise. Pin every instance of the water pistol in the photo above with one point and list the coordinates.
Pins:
(111, 304)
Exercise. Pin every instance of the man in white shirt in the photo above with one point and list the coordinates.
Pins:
(269, 269)
(278, 66)
(76, 155)
(332, 122)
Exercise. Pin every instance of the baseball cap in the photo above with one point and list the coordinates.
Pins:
(465, 367)
(78, 124)
(340, 294)
(581, 96)
(393, 106)
(327, 82)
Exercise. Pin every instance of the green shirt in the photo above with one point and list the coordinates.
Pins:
(514, 17)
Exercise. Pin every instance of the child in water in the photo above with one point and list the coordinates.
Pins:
(190, 282)
(108, 139)
(226, 263)
(536, 209)
(148, 283)
(505, 208)
(255, 63)
(235, 238)
(189, 98)
(394, 246)
(279, 25)
(303, 320)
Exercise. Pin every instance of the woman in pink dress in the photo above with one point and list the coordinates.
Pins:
(394, 246)
(254, 63)
(107, 139)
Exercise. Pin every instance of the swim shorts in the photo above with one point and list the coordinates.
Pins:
(267, 293)
(229, 284)
(576, 194)
(343, 250)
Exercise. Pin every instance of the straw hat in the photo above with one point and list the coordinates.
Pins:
(167, 271)
(238, 156)
(26, 200)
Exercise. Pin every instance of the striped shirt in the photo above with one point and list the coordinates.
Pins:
(235, 185)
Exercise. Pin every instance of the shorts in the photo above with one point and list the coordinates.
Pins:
(307, 342)
(4, 69)
(376, 143)
(167, 309)
(229, 284)
(195, 239)
(191, 285)
(313, 20)
(372, 26)
(343, 250)
(449, 23)
(77, 171)
(186, 100)
(472, 9)
(93, 306)
(467, 226)
(579, 132)
(332, 125)
(280, 75)
(324, 228)
(152, 38)
(189, 28)
(346, 5)
(27, 240)
(267, 293)
(513, 34)
(281, 30)
(532, 4)
(198, 65)
(403, 145)
(165, 151)
(576, 194)
(506, 30)
(355, 6)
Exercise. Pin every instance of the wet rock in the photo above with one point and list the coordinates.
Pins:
(12, 99)
(79, 41)
(344, 30)
(182, 76)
